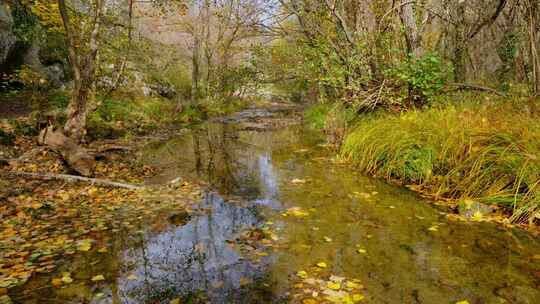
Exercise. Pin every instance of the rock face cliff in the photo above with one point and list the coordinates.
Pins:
(15, 52)
(8, 40)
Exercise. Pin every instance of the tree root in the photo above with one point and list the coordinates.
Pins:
(72, 179)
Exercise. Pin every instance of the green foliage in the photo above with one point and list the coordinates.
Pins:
(426, 76)
(489, 153)
(24, 128)
(192, 114)
(315, 115)
(58, 99)
(25, 23)
(115, 115)
(6, 138)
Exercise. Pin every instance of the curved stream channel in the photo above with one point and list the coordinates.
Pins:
(276, 179)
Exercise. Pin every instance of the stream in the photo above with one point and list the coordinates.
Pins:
(272, 177)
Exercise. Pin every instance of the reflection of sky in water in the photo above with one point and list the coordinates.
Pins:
(268, 182)
(191, 258)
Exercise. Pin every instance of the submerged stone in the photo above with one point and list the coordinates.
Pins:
(472, 209)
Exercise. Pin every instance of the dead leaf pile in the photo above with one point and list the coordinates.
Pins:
(312, 289)
(256, 242)
(43, 223)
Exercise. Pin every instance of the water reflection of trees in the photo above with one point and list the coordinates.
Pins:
(190, 258)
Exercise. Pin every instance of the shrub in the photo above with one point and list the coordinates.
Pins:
(424, 77)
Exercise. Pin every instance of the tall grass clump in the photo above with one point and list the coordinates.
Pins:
(487, 151)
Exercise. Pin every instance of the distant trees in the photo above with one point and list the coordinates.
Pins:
(357, 49)
(222, 33)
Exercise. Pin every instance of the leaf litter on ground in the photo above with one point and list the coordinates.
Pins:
(44, 223)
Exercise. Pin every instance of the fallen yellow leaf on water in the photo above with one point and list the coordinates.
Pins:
(296, 211)
(433, 228)
(477, 216)
(309, 301)
(245, 281)
(357, 298)
(463, 302)
(302, 274)
(298, 181)
(56, 282)
(98, 277)
(362, 251)
(322, 265)
(175, 301)
(66, 278)
(327, 239)
(334, 285)
(103, 250)
(353, 285)
(132, 277)
(84, 245)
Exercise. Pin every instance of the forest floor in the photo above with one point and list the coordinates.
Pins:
(42, 220)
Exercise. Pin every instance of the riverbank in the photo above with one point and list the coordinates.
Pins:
(48, 219)
(479, 152)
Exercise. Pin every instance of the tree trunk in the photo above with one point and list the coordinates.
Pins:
(77, 157)
(83, 68)
(78, 110)
(412, 34)
(195, 73)
(460, 45)
(532, 11)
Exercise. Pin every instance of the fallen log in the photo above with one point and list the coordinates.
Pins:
(72, 179)
(473, 87)
(78, 158)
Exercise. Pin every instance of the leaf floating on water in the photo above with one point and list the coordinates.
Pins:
(132, 277)
(98, 278)
(334, 278)
(175, 301)
(296, 211)
(66, 278)
(334, 285)
(302, 274)
(433, 228)
(327, 239)
(361, 250)
(103, 250)
(309, 301)
(463, 302)
(84, 245)
(298, 181)
(353, 285)
(357, 298)
(245, 281)
(322, 265)
(56, 282)
(477, 217)
(99, 295)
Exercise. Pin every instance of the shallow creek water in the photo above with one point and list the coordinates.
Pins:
(403, 249)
